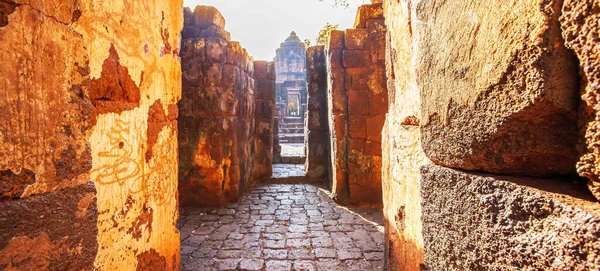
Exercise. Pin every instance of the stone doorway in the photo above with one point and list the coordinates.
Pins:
(283, 219)
(291, 97)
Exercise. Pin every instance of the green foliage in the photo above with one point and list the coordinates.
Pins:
(324, 33)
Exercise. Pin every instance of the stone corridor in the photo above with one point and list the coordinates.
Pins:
(282, 227)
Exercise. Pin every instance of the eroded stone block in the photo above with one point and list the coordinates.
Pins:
(366, 13)
(579, 23)
(205, 16)
(52, 231)
(47, 108)
(356, 39)
(473, 221)
(498, 89)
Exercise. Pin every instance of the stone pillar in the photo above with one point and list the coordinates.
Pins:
(216, 113)
(337, 112)
(358, 104)
(317, 139)
(402, 152)
(472, 90)
(265, 119)
(89, 135)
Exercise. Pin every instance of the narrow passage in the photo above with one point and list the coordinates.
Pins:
(282, 227)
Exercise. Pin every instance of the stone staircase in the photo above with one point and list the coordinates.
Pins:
(291, 130)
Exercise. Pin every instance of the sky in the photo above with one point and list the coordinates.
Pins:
(262, 25)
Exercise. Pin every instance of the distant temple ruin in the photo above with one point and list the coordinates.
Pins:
(290, 68)
(290, 85)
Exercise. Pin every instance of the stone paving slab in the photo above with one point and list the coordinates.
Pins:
(292, 150)
(282, 171)
(282, 227)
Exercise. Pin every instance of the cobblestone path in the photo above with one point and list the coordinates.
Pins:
(282, 227)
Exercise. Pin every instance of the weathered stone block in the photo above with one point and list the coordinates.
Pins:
(214, 32)
(378, 103)
(213, 75)
(260, 69)
(188, 16)
(47, 109)
(377, 83)
(190, 32)
(374, 126)
(355, 58)
(356, 144)
(318, 102)
(334, 59)
(205, 16)
(319, 150)
(358, 78)
(367, 12)
(316, 71)
(357, 126)
(54, 231)
(356, 39)
(216, 49)
(499, 100)
(377, 29)
(579, 23)
(475, 221)
(317, 121)
(373, 148)
(336, 40)
(358, 102)
(340, 126)
(267, 89)
(337, 92)
(236, 54)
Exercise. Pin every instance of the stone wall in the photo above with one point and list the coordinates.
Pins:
(317, 129)
(579, 24)
(264, 74)
(89, 135)
(217, 136)
(357, 104)
(402, 152)
(486, 87)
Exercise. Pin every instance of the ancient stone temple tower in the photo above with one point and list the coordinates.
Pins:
(290, 67)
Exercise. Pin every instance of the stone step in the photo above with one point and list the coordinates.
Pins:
(291, 131)
(293, 160)
(288, 173)
(292, 140)
(293, 119)
(291, 125)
